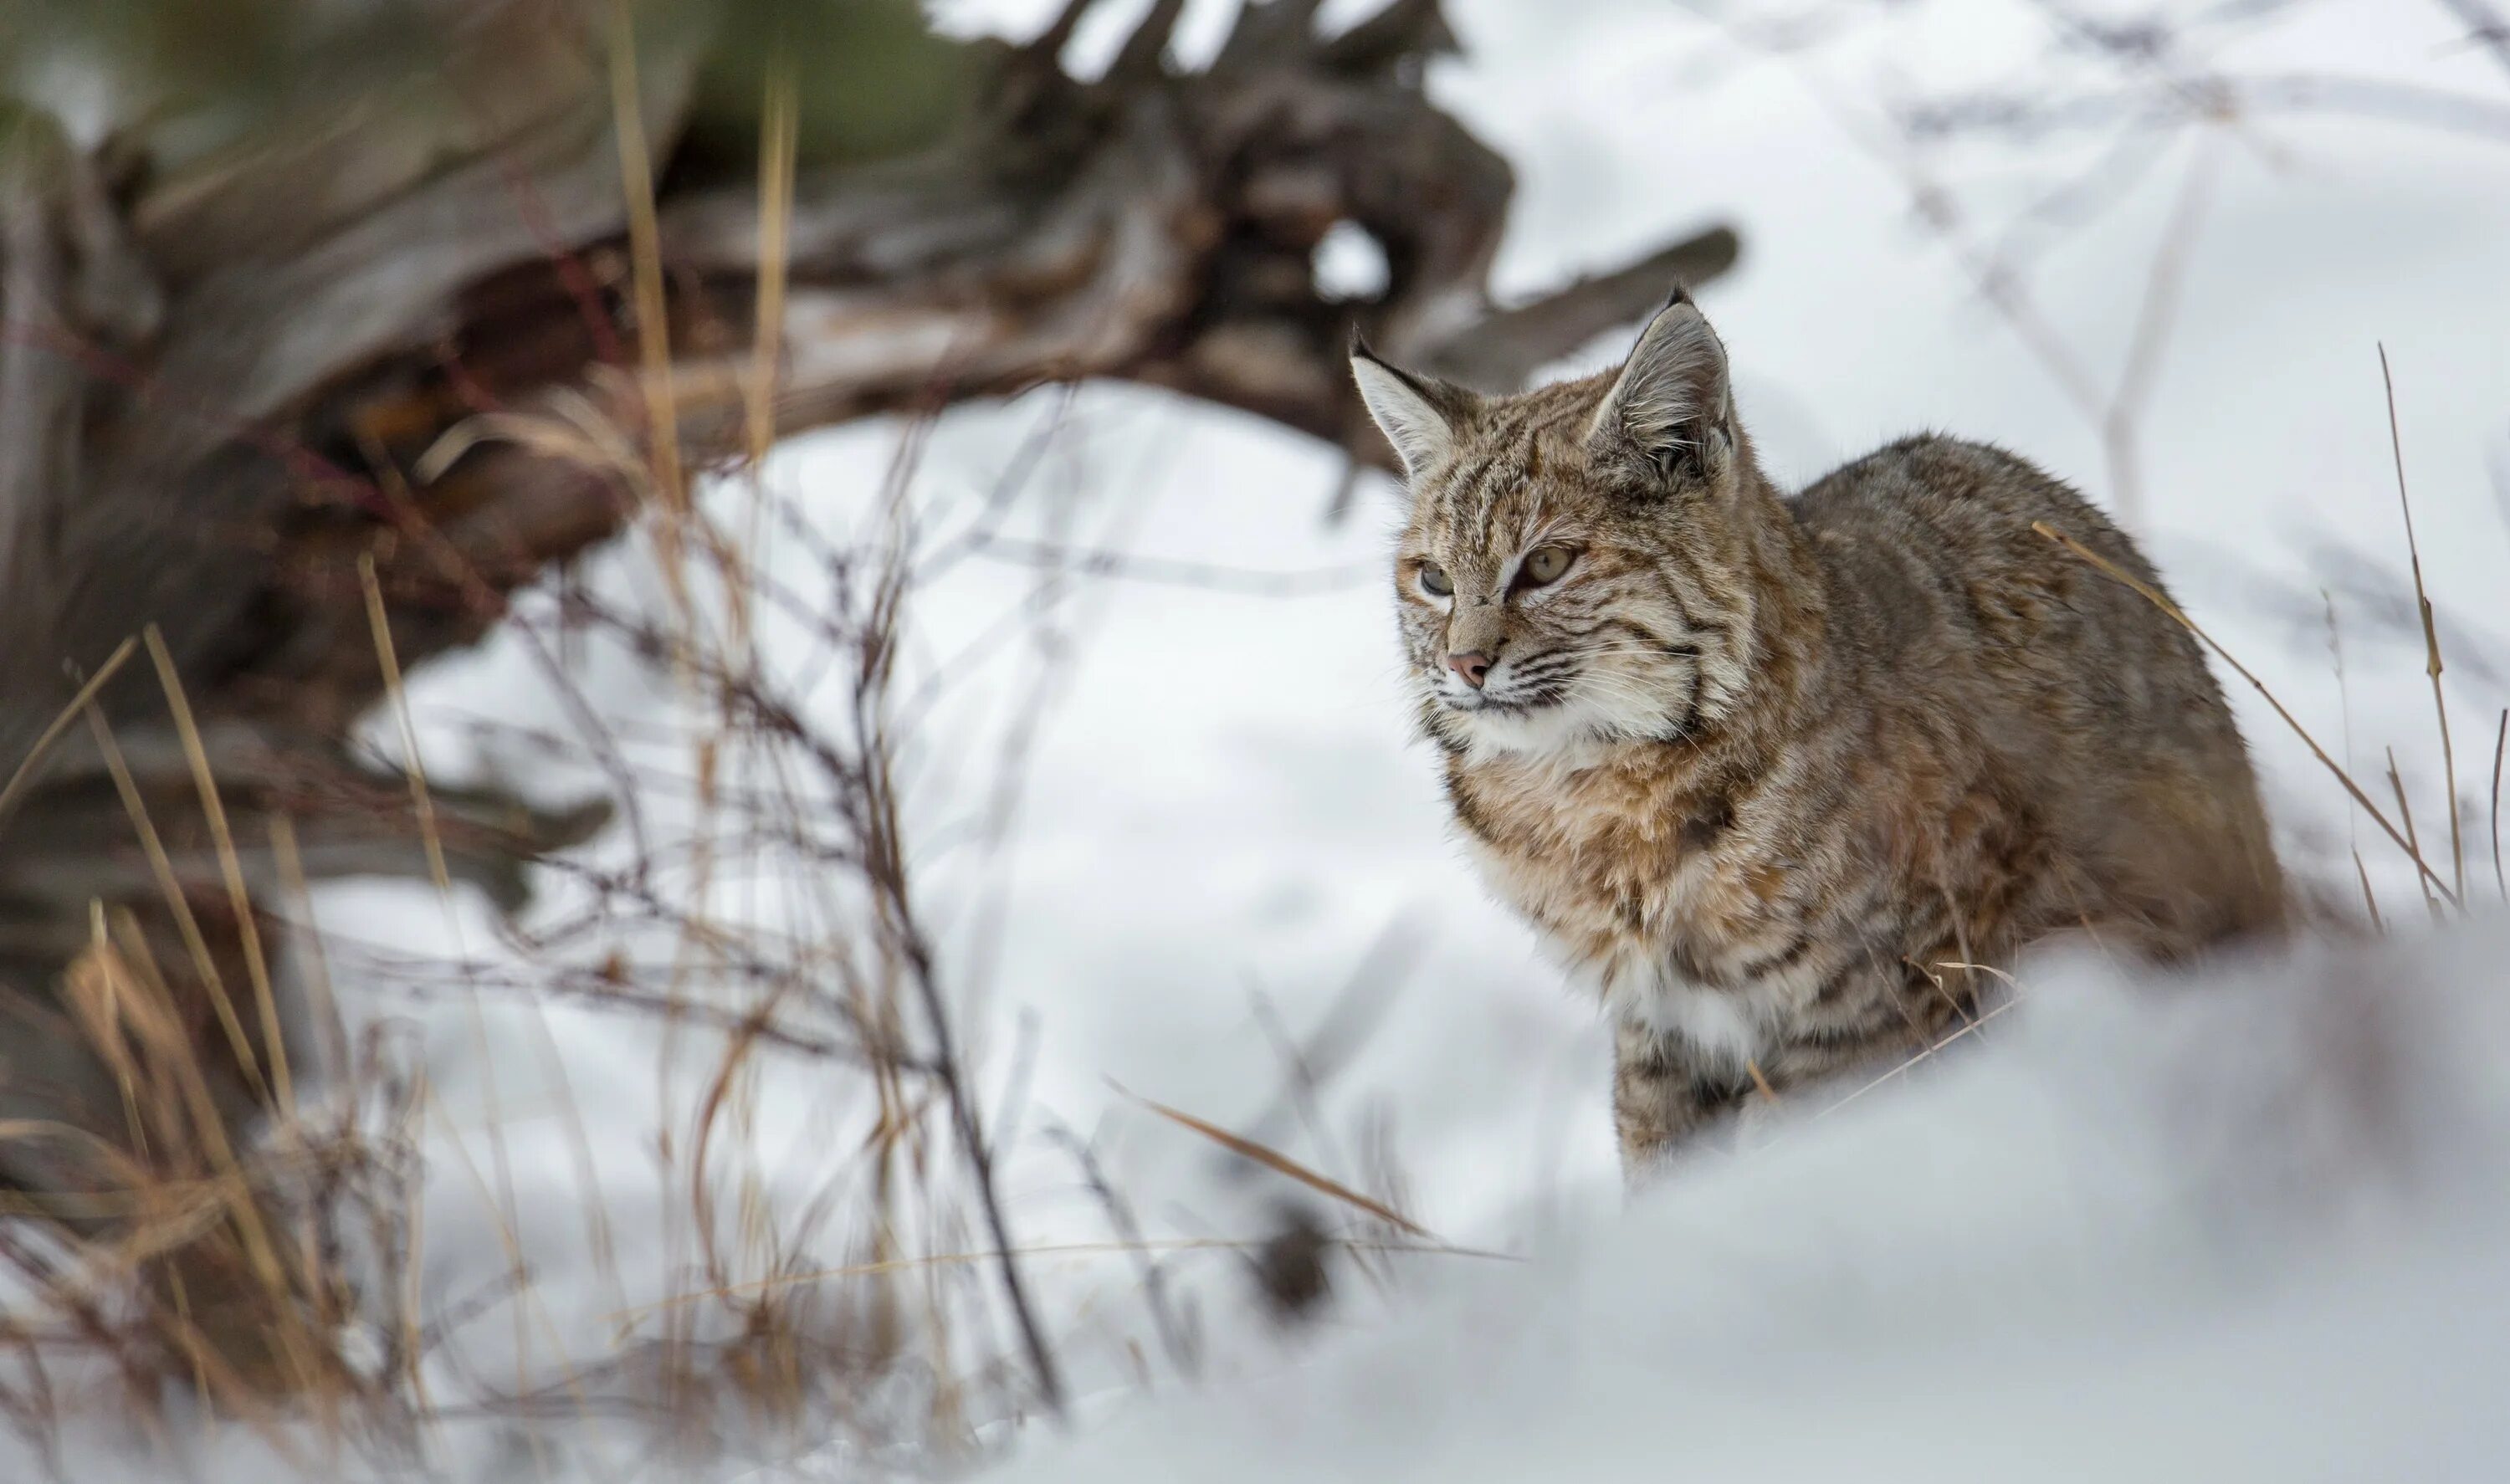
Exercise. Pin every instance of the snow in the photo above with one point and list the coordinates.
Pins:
(2244, 1229)
(2231, 1229)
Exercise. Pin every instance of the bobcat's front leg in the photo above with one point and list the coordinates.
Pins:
(1662, 1098)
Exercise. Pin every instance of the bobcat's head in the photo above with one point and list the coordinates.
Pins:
(1574, 567)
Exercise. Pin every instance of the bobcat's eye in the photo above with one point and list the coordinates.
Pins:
(1434, 578)
(1543, 564)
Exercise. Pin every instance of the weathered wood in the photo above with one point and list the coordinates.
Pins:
(462, 252)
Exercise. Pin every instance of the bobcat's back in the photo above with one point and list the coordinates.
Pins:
(2087, 700)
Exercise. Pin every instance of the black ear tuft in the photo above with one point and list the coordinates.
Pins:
(1681, 295)
(1357, 349)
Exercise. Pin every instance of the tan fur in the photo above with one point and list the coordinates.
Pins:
(1768, 773)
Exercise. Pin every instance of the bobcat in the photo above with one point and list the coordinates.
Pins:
(1788, 780)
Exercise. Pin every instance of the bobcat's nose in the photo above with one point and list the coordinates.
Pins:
(1472, 664)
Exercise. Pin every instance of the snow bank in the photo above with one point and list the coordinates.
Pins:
(2246, 1229)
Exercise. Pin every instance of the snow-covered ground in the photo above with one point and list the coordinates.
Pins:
(2245, 1230)
(2231, 1233)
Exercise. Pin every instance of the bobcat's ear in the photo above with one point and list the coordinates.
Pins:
(1421, 416)
(1671, 402)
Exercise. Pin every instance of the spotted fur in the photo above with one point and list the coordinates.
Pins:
(1786, 781)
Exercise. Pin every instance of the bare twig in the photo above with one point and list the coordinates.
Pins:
(19, 781)
(1501, 352)
(1147, 46)
(876, 817)
(2155, 316)
(1173, 1337)
(2484, 27)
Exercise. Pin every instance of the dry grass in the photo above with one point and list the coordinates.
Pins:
(253, 1233)
(262, 1248)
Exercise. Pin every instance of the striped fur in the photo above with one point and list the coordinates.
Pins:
(1768, 773)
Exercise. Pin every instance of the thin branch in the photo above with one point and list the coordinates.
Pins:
(1267, 30)
(1047, 45)
(1406, 28)
(1501, 352)
(24, 776)
(1173, 1337)
(870, 792)
(2484, 27)
(1087, 561)
(1145, 52)
(2153, 320)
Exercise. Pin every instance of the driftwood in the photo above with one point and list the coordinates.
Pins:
(228, 376)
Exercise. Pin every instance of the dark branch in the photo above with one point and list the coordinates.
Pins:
(1144, 51)
(1501, 352)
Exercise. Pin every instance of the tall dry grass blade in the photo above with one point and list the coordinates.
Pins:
(653, 309)
(2368, 900)
(779, 133)
(23, 778)
(230, 867)
(778, 149)
(177, 905)
(2404, 810)
(2500, 736)
(2343, 715)
(1761, 1081)
(325, 1007)
(2156, 598)
(150, 1081)
(1280, 1164)
(324, 1014)
(118, 990)
(2431, 636)
(421, 799)
(409, 1343)
(722, 1090)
